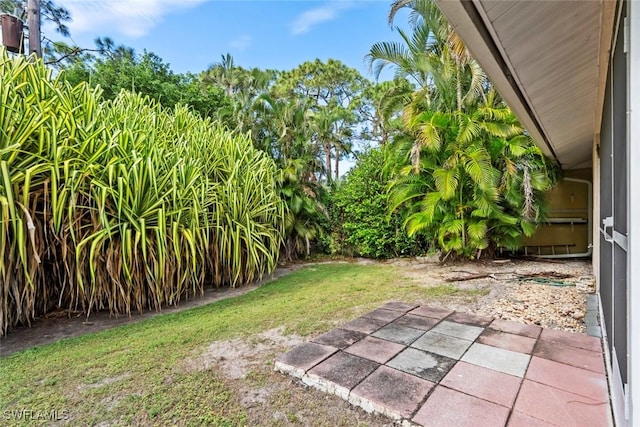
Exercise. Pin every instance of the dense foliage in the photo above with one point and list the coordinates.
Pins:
(465, 171)
(122, 204)
(360, 222)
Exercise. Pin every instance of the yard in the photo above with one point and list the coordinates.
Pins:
(214, 364)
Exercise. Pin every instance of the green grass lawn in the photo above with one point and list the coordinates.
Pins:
(132, 374)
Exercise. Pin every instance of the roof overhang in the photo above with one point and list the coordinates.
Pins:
(549, 61)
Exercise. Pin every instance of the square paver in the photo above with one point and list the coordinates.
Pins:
(591, 318)
(518, 419)
(594, 331)
(417, 322)
(375, 349)
(399, 306)
(364, 324)
(434, 312)
(302, 358)
(568, 378)
(430, 366)
(560, 407)
(458, 330)
(498, 359)
(444, 345)
(339, 338)
(340, 373)
(531, 331)
(447, 407)
(578, 357)
(391, 392)
(470, 319)
(382, 314)
(484, 383)
(582, 341)
(398, 333)
(507, 341)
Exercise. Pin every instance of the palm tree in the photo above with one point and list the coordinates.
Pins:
(464, 152)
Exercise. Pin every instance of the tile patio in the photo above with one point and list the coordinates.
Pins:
(428, 366)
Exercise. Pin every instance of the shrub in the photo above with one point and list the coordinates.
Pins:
(122, 204)
(360, 222)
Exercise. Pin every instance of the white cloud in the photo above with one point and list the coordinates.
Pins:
(133, 18)
(241, 43)
(312, 17)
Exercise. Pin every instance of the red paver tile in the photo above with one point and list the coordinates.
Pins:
(382, 314)
(470, 319)
(568, 378)
(484, 383)
(375, 349)
(560, 407)
(399, 306)
(434, 312)
(518, 419)
(530, 331)
(339, 338)
(507, 341)
(365, 325)
(417, 322)
(303, 357)
(393, 391)
(447, 407)
(344, 369)
(578, 357)
(585, 342)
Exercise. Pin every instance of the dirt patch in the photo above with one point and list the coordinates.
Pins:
(236, 358)
(547, 293)
(60, 325)
(269, 397)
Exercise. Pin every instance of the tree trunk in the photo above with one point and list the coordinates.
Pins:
(327, 156)
(337, 163)
(33, 22)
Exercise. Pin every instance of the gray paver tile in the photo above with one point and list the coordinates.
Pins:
(430, 366)
(594, 331)
(398, 333)
(391, 392)
(498, 359)
(339, 338)
(444, 345)
(417, 322)
(458, 330)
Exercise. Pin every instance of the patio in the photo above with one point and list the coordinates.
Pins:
(433, 367)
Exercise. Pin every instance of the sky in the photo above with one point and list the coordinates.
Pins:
(193, 34)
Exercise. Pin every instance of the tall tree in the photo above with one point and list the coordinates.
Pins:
(336, 95)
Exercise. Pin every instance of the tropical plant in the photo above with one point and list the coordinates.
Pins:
(464, 161)
(360, 223)
(122, 204)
